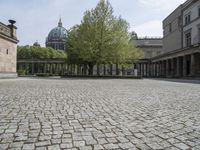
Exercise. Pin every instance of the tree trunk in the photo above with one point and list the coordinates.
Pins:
(104, 69)
(98, 69)
(91, 66)
(111, 69)
(117, 69)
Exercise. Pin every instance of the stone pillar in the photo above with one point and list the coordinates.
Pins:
(45, 68)
(172, 67)
(184, 66)
(167, 68)
(147, 71)
(104, 69)
(38, 67)
(159, 72)
(151, 69)
(142, 69)
(32, 67)
(156, 69)
(178, 67)
(192, 65)
(111, 69)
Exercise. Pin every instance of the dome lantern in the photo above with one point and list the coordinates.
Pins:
(60, 23)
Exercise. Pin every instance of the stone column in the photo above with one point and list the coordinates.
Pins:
(160, 69)
(147, 71)
(184, 66)
(192, 65)
(45, 68)
(142, 69)
(178, 67)
(172, 67)
(32, 66)
(151, 69)
(167, 68)
(156, 69)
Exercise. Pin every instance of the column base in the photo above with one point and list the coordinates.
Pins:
(8, 75)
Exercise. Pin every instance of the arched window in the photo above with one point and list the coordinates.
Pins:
(7, 51)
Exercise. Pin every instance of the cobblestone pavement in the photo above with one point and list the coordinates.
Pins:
(53, 114)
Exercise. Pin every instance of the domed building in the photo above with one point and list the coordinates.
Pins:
(57, 37)
(36, 44)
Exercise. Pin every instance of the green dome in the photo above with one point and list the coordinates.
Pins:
(58, 33)
(57, 37)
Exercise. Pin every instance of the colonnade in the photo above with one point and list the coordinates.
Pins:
(172, 67)
(180, 66)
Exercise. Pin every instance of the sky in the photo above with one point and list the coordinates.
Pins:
(35, 18)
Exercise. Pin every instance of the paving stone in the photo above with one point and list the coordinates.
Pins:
(4, 146)
(28, 146)
(45, 114)
(79, 143)
(111, 146)
(182, 146)
(54, 147)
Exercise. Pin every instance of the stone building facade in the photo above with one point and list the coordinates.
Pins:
(181, 57)
(151, 47)
(8, 50)
(172, 31)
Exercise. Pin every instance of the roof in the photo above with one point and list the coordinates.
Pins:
(6, 33)
(57, 33)
(148, 42)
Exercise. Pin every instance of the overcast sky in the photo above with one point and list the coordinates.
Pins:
(35, 18)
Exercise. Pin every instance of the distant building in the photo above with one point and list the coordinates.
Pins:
(150, 47)
(57, 37)
(8, 50)
(36, 44)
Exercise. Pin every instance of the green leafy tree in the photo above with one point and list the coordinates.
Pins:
(101, 38)
(36, 52)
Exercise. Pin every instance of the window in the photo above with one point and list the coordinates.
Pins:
(188, 39)
(199, 11)
(149, 54)
(158, 52)
(7, 51)
(199, 34)
(170, 27)
(187, 19)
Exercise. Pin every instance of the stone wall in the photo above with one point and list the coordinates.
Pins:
(194, 25)
(150, 47)
(7, 56)
(172, 37)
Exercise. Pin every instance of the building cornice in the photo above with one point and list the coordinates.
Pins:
(6, 37)
(182, 50)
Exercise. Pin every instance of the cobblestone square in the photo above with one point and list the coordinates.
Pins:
(86, 114)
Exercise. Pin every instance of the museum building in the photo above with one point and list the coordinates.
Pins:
(181, 43)
(8, 50)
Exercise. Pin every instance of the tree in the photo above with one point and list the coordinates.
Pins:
(101, 38)
(36, 52)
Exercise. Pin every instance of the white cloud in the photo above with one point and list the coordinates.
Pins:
(168, 5)
(151, 28)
